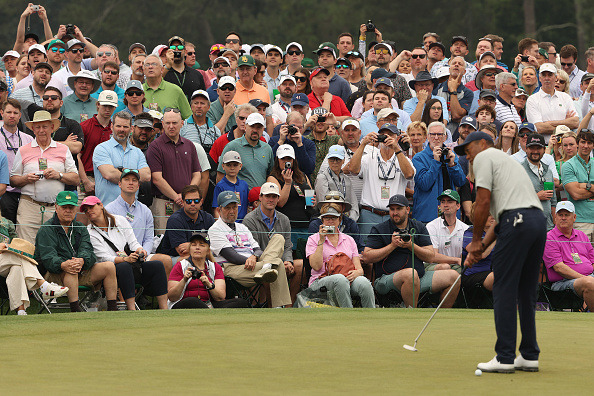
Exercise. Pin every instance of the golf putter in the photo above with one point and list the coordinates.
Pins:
(414, 347)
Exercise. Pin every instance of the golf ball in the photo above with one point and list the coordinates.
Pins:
(478, 372)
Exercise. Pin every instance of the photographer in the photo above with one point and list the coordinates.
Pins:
(113, 240)
(199, 282)
(291, 133)
(437, 170)
(24, 41)
(188, 79)
(335, 262)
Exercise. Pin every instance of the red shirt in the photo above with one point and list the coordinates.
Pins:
(337, 106)
(94, 135)
(195, 288)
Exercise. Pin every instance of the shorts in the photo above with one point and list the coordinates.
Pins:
(84, 278)
(385, 283)
(431, 267)
(472, 280)
(566, 284)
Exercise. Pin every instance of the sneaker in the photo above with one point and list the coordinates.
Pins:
(53, 290)
(495, 367)
(266, 276)
(525, 365)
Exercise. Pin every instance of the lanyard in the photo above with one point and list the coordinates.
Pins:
(209, 133)
(182, 82)
(343, 191)
(9, 145)
(380, 167)
(586, 167)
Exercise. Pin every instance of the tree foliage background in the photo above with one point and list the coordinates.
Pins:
(311, 21)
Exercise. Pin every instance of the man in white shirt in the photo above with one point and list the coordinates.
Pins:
(568, 57)
(287, 88)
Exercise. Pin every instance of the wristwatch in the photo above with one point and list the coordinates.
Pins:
(588, 186)
(61, 174)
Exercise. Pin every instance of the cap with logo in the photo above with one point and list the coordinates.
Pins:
(442, 72)
(472, 137)
(326, 46)
(317, 71)
(336, 151)
(452, 194)
(176, 38)
(307, 63)
(389, 128)
(137, 45)
(386, 46)
(133, 172)
(561, 130)
(351, 121)
(299, 99)
(255, 118)
(257, 45)
(143, 123)
(379, 73)
(547, 67)
(57, 43)
(108, 98)
(284, 151)
(37, 47)
(271, 47)
(293, 44)
(231, 156)
(319, 111)
(200, 92)
(521, 92)
(227, 197)
(226, 80)
(258, 102)
(12, 53)
(565, 205)
(134, 84)
(44, 65)
(399, 200)
(67, 198)
(488, 93)
(385, 81)
(587, 76)
(269, 188)
(460, 38)
(286, 77)
(527, 125)
(73, 42)
(355, 54)
(470, 121)
(200, 236)
(535, 140)
(344, 61)
(246, 60)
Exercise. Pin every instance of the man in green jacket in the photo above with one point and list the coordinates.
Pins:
(63, 247)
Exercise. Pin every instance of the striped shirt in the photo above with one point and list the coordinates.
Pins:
(506, 112)
(27, 94)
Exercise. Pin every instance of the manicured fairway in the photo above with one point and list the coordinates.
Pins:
(290, 351)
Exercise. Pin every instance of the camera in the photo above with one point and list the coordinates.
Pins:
(321, 118)
(370, 26)
(196, 273)
(404, 236)
(403, 145)
(40, 174)
(524, 58)
(329, 229)
(291, 130)
(444, 155)
(381, 138)
(141, 256)
(177, 54)
(36, 8)
(70, 30)
(287, 165)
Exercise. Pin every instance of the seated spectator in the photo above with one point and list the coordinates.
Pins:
(281, 108)
(508, 141)
(481, 272)
(562, 82)
(458, 97)
(246, 87)
(446, 233)
(506, 84)
(325, 250)
(198, 127)
(198, 282)
(485, 115)
(334, 179)
(63, 248)
(232, 165)
(389, 247)
(302, 80)
(524, 130)
(519, 102)
(320, 97)
(242, 259)
(569, 256)
(305, 149)
(381, 105)
(113, 240)
(529, 80)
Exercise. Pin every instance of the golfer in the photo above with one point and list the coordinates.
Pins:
(504, 188)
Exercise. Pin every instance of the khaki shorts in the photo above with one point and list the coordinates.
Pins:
(84, 278)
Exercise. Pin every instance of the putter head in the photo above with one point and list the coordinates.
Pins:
(410, 348)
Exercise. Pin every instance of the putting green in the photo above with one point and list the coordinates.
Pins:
(289, 351)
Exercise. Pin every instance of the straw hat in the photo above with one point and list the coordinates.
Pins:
(22, 248)
(43, 116)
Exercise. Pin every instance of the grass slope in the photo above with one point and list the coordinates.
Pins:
(307, 351)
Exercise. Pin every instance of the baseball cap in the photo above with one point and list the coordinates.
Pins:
(246, 60)
(133, 172)
(215, 48)
(561, 130)
(399, 200)
(222, 58)
(336, 151)
(385, 81)
(57, 42)
(73, 42)
(158, 49)
(228, 50)
(351, 121)
(202, 236)
(258, 102)
(67, 198)
(318, 70)
(299, 99)
(383, 113)
(565, 205)
(226, 80)
(319, 111)
(547, 67)
(44, 65)
(227, 197)
(137, 45)
(33, 36)
(385, 45)
(176, 38)
(231, 156)
(37, 47)
(379, 73)
(535, 140)
(255, 118)
(440, 45)
(143, 123)
(472, 137)
(488, 53)
(450, 194)
(442, 72)
(587, 76)
(307, 63)
(284, 151)
(344, 60)
(326, 46)
(108, 98)
(271, 47)
(134, 84)
(544, 53)
(460, 38)
(355, 54)
(89, 200)
(469, 120)
(254, 194)
(200, 92)
(293, 44)
(12, 53)
(521, 92)
(257, 45)
(488, 93)
(286, 77)
(527, 125)
(390, 128)
(269, 188)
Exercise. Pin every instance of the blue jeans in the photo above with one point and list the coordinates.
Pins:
(339, 286)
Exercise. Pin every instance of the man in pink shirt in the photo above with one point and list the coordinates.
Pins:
(569, 256)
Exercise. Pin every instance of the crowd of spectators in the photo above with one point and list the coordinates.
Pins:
(272, 162)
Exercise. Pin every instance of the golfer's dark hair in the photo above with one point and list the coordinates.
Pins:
(190, 189)
(586, 135)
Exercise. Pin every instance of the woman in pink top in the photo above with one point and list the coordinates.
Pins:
(319, 250)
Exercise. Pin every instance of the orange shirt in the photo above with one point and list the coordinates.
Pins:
(244, 95)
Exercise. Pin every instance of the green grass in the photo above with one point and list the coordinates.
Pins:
(290, 351)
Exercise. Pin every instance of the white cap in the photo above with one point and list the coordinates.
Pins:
(200, 92)
(38, 47)
(222, 58)
(294, 44)
(442, 72)
(246, 48)
(157, 49)
(273, 47)
(286, 77)
(561, 130)
(231, 156)
(383, 113)
(285, 150)
(226, 80)
(352, 122)
(269, 188)
(156, 114)
(255, 118)
(547, 67)
(565, 205)
(108, 98)
(12, 53)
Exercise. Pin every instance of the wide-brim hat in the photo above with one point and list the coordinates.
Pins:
(22, 248)
(85, 74)
(481, 73)
(422, 76)
(43, 116)
(340, 200)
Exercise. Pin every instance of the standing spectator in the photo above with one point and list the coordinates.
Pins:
(303, 82)
(433, 112)
(232, 165)
(80, 106)
(74, 58)
(10, 59)
(568, 56)
(319, 122)
(287, 88)
(221, 111)
(587, 103)
(338, 86)
(274, 58)
(180, 74)
(241, 114)
(42, 74)
(529, 80)
(222, 68)
(384, 52)
(305, 149)
(525, 130)
(459, 47)
(40, 169)
(137, 66)
(246, 87)
(109, 77)
(382, 110)
(134, 99)
(504, 109)
(458, 97)
(423, 85)
(293, 57)
(508, 140)
(519, 101)
(174, 164)
(161, 94)
(198, 127)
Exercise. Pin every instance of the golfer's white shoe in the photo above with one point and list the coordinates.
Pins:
(525, 365)
(495, 367)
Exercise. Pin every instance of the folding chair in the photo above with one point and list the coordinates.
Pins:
(4, 298)
(85, 293)
(557, 300)
(250, 294)
(477, 297)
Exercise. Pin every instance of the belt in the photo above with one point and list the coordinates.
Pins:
(90, 173)
(376, 211)
(28, 198)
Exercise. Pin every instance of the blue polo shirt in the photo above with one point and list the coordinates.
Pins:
(112, 153)
(411, 104)
(140, 218)
(180, 228)
(240, 187)
(267, 220)
(4, 171)
(119, 91)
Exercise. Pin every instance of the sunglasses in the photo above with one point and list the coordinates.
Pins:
(419, 56)
(382, 51)
(106, 53)
(168, 109)
(190, 53)
(524, 134)
(177, 47)
(300, 79)
(490, 74)
(158, 125)
(232, 41)
(566, 64)
(126, 171)
(195, 200)
(333, 197)
(219, 64)
(56, 49)
(50, 97)
(342, 67)
(79, 51)
(552, 53)
(227, 88)
(294, 52)
(134, 93)
(112, 72)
